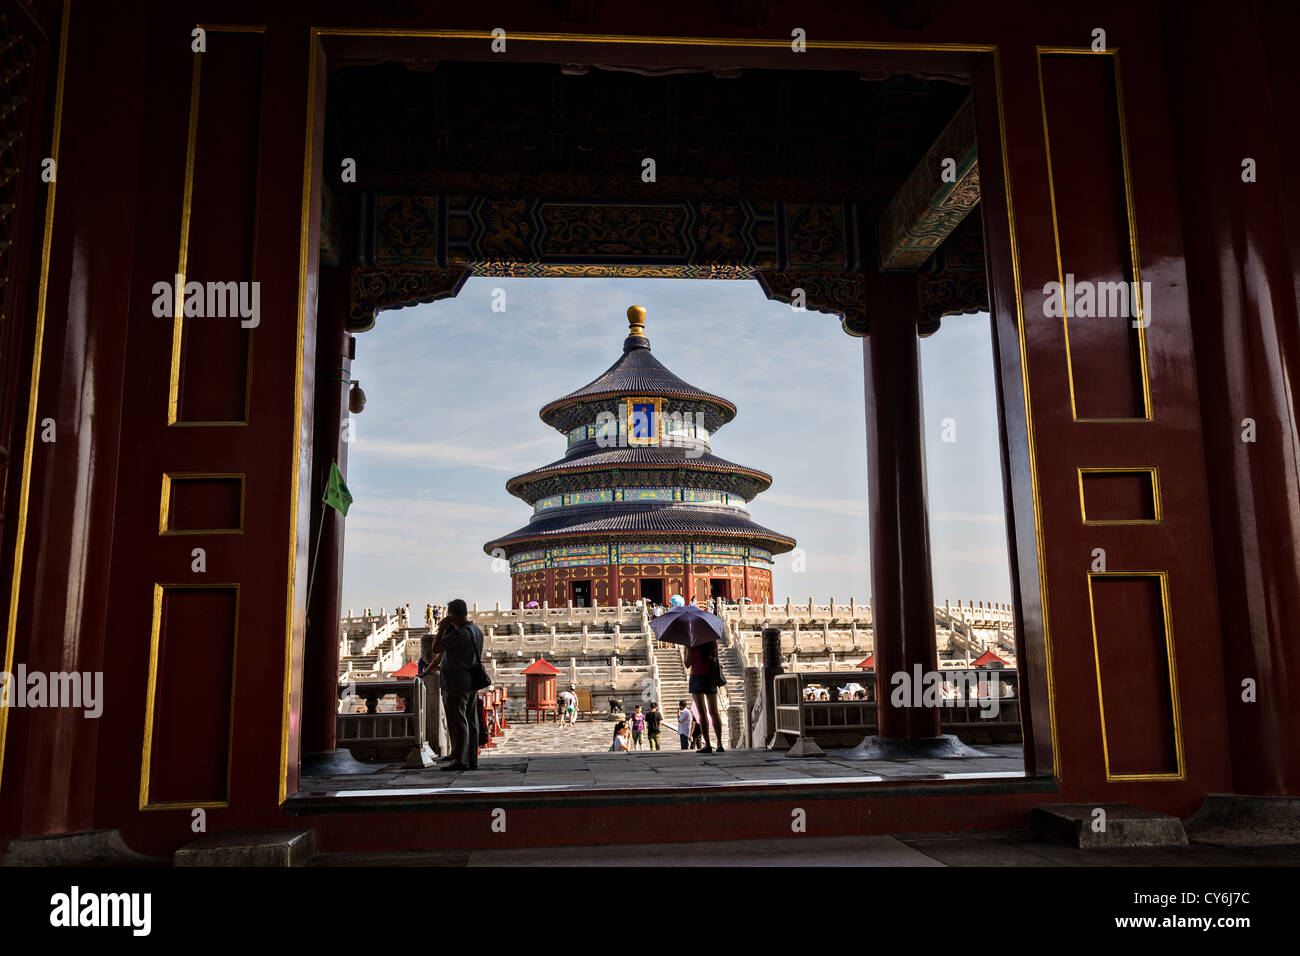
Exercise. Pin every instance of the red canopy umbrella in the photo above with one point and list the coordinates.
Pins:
(407, 670)
(869, 664)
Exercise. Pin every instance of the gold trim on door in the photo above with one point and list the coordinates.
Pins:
(146, 756)
(182, 258)
(1175, 707)
(1157, 504)
(164, 507)
(1135, 258)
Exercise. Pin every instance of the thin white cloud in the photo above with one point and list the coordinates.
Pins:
(480, 454)
(994, 557)
(839, 506)
(966, 517)
(858, 509)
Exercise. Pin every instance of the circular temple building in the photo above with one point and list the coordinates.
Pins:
(639, 507)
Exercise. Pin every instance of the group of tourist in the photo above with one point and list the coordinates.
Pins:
(713, 606)
(639, 729)
(693, 719)
(433, 614)
(457, 651)
(401, 611)
(834, 693)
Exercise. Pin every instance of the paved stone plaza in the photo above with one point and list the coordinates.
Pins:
(584, 737)
(578, 759)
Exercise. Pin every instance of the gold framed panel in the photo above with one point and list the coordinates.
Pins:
(657, 428)
(164, 507)
(1157, 502)
(316, 52)
(1134, 256)
(182, 257)
(146, 756)
(1175, 707)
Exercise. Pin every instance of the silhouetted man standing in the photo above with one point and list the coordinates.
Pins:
(461, 644)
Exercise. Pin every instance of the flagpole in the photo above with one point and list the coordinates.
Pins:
(320, 531)
(327, 504)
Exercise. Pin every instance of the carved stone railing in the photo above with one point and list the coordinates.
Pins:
(622, 614)
(975, 614)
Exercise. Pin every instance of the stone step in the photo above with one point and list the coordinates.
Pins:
(274, 848)
(1108, 825)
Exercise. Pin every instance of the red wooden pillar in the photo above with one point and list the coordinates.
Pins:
(50, 756)
(902, 593)
(1243, 257)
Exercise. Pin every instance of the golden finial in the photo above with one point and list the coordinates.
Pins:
(636, 320)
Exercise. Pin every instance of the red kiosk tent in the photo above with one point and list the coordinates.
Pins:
(987, 659)
(541, 690)
(869, 664)
(409, 669)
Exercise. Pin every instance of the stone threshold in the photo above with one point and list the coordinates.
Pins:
(558, 796)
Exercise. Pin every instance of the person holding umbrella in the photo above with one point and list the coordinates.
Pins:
(698, 631)
(704, 667)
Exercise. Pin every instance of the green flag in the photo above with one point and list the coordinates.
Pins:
(336, 494)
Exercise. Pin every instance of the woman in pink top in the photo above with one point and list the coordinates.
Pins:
(704, 688)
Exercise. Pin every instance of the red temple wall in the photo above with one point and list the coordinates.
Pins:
(93, 553)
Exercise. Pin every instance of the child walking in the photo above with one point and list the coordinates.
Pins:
(638, 727)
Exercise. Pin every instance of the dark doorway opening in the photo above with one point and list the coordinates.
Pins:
(652, 590)
(581, 593)
(720, 588)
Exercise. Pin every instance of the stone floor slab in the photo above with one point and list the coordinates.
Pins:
(794, 851)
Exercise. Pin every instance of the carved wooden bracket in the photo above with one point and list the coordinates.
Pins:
(838, 293)
(937, 196)
(949, 293)
(953, 281)
(379, 287)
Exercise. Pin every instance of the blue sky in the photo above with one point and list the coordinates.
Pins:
(453, 390)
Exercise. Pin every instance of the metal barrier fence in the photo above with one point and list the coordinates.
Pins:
(986, 706)
(383, 736)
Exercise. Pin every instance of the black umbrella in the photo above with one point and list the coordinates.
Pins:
(688, 625)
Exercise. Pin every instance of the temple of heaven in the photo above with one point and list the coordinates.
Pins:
(639, 507)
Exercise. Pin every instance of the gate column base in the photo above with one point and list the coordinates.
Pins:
(905, 748)
(805, 748)
(331, 762)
